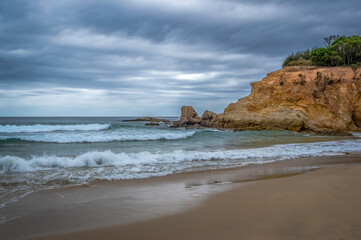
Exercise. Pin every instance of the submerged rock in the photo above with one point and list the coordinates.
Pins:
(152, 124)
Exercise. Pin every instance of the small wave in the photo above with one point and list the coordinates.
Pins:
(12, 140)
(109, 136)
(357, 134)
(217, 130)
(51, 128)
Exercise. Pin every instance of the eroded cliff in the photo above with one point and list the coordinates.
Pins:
(299, 98)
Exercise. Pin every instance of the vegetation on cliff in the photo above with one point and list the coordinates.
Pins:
(337, 51)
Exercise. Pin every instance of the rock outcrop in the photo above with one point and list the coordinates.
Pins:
(209, 119)
(148, 119)
(189, 116)
(190, 119)
(319, 99)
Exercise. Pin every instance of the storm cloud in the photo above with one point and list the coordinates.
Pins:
(139, 57)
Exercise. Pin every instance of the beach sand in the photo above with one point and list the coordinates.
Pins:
(320, 204)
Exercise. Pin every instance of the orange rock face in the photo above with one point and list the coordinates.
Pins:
(318, 99)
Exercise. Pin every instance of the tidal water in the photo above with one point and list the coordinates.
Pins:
(46, 153)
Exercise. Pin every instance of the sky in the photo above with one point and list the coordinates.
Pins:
(150, 57)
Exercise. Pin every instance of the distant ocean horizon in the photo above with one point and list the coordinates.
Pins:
(125, 117)
(38, 153)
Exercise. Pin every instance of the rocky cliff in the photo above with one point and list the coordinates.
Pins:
(320, 99)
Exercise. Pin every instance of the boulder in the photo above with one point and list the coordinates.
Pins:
(209, 119)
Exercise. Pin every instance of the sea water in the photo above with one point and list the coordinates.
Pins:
(46, 153)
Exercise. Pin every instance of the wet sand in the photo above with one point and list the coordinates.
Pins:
(310, 198)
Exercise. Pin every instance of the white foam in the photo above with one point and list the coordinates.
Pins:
(51, 128)
(357, 134)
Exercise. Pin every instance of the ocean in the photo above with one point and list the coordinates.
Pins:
(58, 152)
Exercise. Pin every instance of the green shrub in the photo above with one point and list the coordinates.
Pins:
(302, 79)
(355, 68)
(315, 93)
(301, 62)
(298, 58)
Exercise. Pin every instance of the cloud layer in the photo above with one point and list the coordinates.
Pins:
(132, 58)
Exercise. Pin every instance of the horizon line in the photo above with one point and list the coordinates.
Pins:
(82, 116)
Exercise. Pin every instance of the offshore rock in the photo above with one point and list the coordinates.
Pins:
(189, 116)
(152, 124)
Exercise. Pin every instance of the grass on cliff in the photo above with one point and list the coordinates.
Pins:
(337, 51)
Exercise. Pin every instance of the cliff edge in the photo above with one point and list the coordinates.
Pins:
(298, 98)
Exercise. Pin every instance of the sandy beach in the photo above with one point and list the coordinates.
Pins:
(323, 202)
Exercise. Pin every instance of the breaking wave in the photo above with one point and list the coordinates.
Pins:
(155, 160)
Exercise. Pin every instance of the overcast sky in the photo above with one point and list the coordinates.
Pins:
(150, 57)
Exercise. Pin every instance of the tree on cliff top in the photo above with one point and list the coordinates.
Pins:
(338, 51)
(329, 40)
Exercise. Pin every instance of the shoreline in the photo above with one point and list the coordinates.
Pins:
(100, 204)
(321, 204)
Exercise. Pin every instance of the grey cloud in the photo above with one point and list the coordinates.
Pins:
(137, 57)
